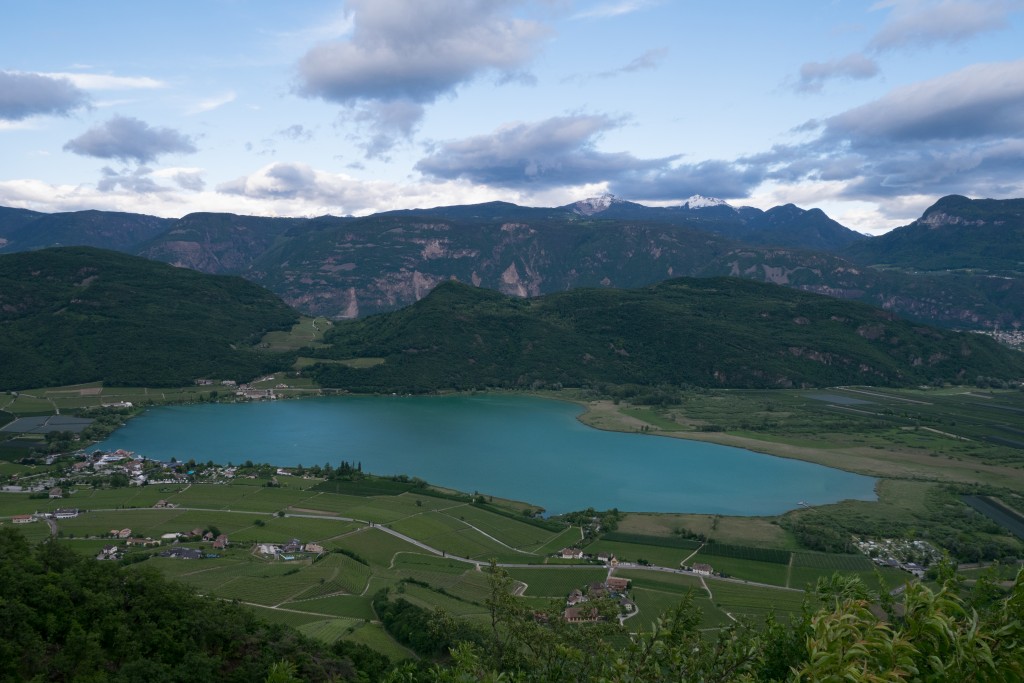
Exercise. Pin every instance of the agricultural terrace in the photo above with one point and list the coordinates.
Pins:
(432, 551)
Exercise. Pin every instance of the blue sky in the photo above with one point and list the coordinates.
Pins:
(868, 110)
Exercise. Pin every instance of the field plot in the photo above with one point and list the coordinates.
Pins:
(461, 579)
(283, 529)
(753, 601)
(213, 496)
(432, 599)
(263, 584)
(748, 570)
(452, 536)
(515, 533)
(337, 574)
(634, 552)
(329, 630)
(19, 504)
(353, 606)
(34, 532)
(130, 497)
(143, 522)
(565, 538)
(556, 582)
(652, 603)
(374, 636)
(328, 504)
(375, 546)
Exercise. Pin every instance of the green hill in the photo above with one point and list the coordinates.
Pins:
(954, 233)
(710, 332)
(79, 314)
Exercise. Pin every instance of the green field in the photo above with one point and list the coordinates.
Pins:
(556, 582)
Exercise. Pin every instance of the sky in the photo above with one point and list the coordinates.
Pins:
(868, 110)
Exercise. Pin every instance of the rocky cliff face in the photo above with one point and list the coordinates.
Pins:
(960, 265)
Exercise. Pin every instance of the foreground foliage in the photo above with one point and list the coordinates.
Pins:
(928, 636)
(65, 617)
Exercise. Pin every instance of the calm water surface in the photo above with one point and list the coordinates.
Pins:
(509, 446)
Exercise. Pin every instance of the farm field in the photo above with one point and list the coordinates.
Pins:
(388, 535)
(417, 550)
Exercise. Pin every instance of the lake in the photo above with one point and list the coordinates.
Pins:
(518, 447)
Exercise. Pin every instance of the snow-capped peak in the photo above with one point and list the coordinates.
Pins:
(592, 205)
(699, 201)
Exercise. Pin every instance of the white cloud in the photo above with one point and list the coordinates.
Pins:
(929, 22)
(854, 67)
(611, 10)
(212, 103)
(109, 82)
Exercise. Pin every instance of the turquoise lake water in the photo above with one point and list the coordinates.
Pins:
(508, 446)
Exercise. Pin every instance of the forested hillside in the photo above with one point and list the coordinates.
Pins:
(708, 332)
(71, 618)
(78, 314)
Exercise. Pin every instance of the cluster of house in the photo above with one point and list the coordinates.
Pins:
(912, 556)
(245, 390)
(614, 587)
(287, 551)
(573, 553)
(59, 513)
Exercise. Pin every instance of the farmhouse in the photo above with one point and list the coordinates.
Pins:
(702, 568)
(23, 519)
(572, 554)
(221, 542)
(56, 492)
(144, 542)
(124, 533)
(617, 584)
(580, 615)
(314, 548)
(109, 552)
(183, 553)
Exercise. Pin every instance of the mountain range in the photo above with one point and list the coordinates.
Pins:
(80, 314)
(960, 265)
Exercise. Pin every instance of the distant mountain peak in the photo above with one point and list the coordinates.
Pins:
(699, 201)
(592, 205)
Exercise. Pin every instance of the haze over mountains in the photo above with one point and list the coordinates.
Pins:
(960, 265)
